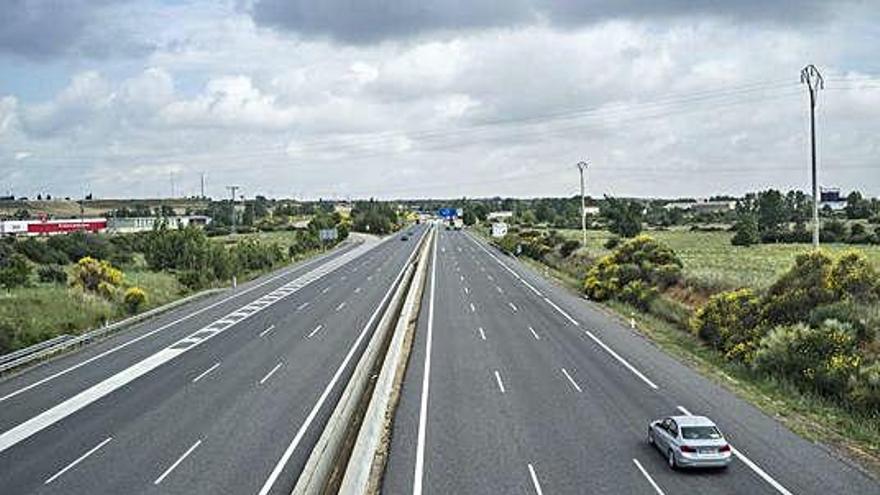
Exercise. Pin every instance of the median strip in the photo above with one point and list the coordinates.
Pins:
(359, 425)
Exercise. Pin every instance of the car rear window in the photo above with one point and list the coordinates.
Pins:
(700, 433)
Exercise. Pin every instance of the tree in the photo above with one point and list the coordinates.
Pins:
(468, 217)
(624, 217)
(746, 231)
(771, 211)
(857, 207)
(14, 271)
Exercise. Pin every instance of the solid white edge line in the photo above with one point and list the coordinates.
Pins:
(535, 482)
(204, 373)
(77, 461)
(267, 330)
(285, 457)
(269, 375)
(418, 476)
(163, 327)
(571, 380)
(748, 462)
(313, 332)
(648, 477)
(561, 311)
(177, 462)
(621, 360)
(498, 379)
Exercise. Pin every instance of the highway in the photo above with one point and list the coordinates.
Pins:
(517, 386)
(224, 395)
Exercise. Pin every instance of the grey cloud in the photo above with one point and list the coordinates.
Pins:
(49, 28)
(370, 21)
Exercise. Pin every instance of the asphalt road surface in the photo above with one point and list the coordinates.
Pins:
(225, 395)
(517, 386)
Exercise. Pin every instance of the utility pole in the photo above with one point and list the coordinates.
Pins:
(582, 167)
(232, 190)
(203, 185)
(813, 79)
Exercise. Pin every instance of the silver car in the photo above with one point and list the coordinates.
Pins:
(689, 441)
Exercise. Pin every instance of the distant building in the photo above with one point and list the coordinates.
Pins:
(125, 225)
(591, 210)
(703, 206)
(499, 215)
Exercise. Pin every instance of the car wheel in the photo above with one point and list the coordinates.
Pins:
(670, 459)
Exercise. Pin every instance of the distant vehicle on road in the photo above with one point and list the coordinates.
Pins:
(404, 237)
(457, 224)
(689, 441)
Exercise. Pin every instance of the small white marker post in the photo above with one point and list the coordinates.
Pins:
(632, 321)
(234, 282)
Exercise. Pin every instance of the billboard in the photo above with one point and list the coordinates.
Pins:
(328, 234)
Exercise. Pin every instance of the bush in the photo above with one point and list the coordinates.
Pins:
(823, 359)
(81, 245)
(833, 231)
(97, 276)
(853, 276)
(864, 387)
(193, 279)
(805, 286)
(612, 242)
(863, 318)
(569, 247)
(15, 271)
(252, 254)
(642, 259)
(729, 322)
(508, 243)
(134, 299)
(40, 252)
(638, 294)
(52, 274)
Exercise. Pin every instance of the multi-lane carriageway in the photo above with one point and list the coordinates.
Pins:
(223, 396)
(513, 386)
(518, 386)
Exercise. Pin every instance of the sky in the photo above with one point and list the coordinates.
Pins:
(434, 98)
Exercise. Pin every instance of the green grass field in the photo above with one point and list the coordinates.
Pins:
(45, 310)
(711, 261)
(284, 238)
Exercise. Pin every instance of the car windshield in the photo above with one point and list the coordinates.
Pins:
(700, 433)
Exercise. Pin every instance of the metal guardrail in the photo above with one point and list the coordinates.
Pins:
(32, 349)
(54, 348)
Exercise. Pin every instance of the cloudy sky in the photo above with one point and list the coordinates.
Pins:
(434, 98)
